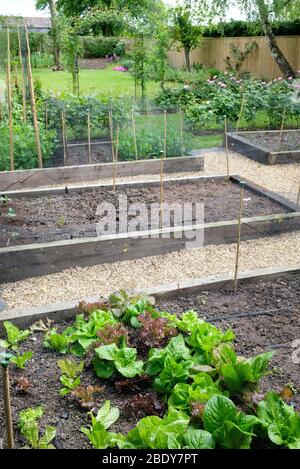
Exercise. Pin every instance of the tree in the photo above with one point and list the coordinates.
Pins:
(55, 33)
(184, 31)
(264, 11)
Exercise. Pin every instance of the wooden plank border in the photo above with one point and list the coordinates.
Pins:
(258, 152)
(24, 317)
(34, 260)
(33, 178)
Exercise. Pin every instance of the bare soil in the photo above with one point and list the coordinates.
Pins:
(254, 335)
(274, 141)
(78, 153)
(73, 215)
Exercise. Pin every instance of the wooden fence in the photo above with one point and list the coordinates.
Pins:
(212, 52)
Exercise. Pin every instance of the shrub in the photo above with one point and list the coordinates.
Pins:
(97, 47)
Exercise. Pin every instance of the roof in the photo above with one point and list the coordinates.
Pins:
(34, 24)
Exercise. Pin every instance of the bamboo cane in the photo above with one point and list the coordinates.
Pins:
(89, 136)
(226, 147)
(181, 131)
(239, 238)
(165, 133)
(298, 198)
(22, 78)
(10, 109)
(7, 406)
(241, 113)
(111, 128)
(116, 157)
(64, 135)
(281, 129)
(134, 135)
(46, 115)
(33, 103)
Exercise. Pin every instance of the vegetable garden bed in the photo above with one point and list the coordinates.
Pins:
(268, 147)
(52, 231)
(191, 370)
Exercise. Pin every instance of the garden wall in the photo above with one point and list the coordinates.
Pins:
(213, 51)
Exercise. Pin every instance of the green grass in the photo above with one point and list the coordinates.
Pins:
(98, 82)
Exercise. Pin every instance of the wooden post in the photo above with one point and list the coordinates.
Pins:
(64, 136)
(281, 129)
(181, 131)
(33, 103)
(161, 197)
(7, 407)
(134, 135)
(226, 147)
(239, 238)
(9, 101)
(22, 78)
(89, 136)
(46, 115)
(241, 113)
(111, 127)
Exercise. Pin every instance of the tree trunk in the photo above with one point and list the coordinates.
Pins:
(56, 45)
(187, 58)
(276, 52)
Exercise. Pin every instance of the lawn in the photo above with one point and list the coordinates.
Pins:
(98, 82)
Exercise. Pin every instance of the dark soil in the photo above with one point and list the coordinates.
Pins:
(289, 141)
(254, 335)
(73, 215)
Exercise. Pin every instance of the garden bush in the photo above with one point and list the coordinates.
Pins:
(98, 47)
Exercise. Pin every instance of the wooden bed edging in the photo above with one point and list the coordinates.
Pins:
(61, 311)
(260, 153)
(22, 179)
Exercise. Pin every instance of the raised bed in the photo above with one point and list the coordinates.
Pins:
(265, 213)
(264, 315)
(33, 178)
(267, 147)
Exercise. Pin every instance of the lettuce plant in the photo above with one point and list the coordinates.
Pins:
(14, 335)
(128, 308)
(171, 432)
(20, 360)
(111, 358)
(229, 427)
(280, 421)
(241, 374)
(201, 390)
(29, 427)
(55, 341)
(97, 433)
(69, 379)
(170, 365)
(85, 395)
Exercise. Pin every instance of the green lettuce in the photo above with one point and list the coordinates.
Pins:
(229, 427)
(29, 427)
(14, 335)
(111, 358)
(280, 420)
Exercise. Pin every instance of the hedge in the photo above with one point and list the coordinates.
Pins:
(97, 47)
(251, 28)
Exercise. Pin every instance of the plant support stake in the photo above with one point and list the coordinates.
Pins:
(226, 146)
(33, 103)
(281, 129)
(89, 137)
(64, 136)
(4, 360)
(116, 157)
(298, 198)
(181, 131)
(134, 135)
(239, 238)
(9, 101)
(241, 113)
(22, 77)
(111, 128)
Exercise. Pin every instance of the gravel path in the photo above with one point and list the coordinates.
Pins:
(138, 274)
